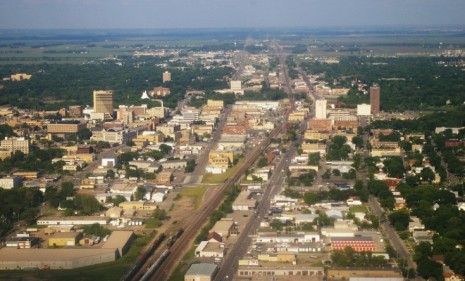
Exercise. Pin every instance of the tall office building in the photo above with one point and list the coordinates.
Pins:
(166, 76)
(320, 109)
(375, 95)
(103, 102)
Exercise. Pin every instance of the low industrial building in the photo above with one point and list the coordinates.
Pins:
(14, 259)
(64, 239)
(73, 220)
(201, 272)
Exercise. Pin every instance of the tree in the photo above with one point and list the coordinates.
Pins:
(262, 162)
(97, 230)
(350, 175)
(277, 225)
(394, 166)
(87, 204)
(110, 174)
(140, 193)
(338, 149)
(190, 166)
(314, 159)
(84, 134)
(400, 219)
(67, 190)
(358, 141)
(427, 174)
(117, 199)
(165, 149)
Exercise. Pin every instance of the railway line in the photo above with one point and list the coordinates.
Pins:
(161, 268)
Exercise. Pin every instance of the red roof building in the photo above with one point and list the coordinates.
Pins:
(358, 243)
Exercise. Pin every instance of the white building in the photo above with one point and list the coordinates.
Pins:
(73, 220)
(363, 109)
(208, 249)
(236, 85)
(109, 162)
(320, 109)
(10, 182)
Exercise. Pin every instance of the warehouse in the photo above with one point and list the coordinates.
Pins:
(13, 259)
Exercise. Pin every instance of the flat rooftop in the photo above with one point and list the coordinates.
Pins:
(48, 255)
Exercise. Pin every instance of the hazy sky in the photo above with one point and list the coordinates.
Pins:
(226, 13)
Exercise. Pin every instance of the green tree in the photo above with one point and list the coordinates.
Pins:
(427, 174)
(358, 141)
(87, 204)
(400, 219)
(84, 134)
(277, 225)
(314, 159)
(262, 162)
(140, 193)
(190, 166)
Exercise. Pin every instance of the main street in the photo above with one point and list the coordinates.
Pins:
(183, 244)
(229, 265)
(274, 186)
(196, 176)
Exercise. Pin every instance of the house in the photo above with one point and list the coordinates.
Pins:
(415, 224)
(114, 212)
(423, 236)
(123, 188)
(10, 182)
(109, 162)
(160, 92)
(164, 178)
(353, 201)
(219, 161)
(304, 218)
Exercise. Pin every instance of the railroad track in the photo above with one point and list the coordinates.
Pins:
(181, 246)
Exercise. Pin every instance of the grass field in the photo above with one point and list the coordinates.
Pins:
(102, 272)
(220, 178)
(195, 193)
(361, 208)
(183, 266)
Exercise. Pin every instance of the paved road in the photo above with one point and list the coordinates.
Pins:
(386, 228)
(273, 187)
(229, 265)
(199, 171)
(182, 245)
(390, 233)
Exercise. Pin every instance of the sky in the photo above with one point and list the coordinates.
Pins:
(158, 14)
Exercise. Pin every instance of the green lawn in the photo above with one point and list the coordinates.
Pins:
(102, 272)
(361, 208)
(220, 178)
(183, 266)
(195, 193)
